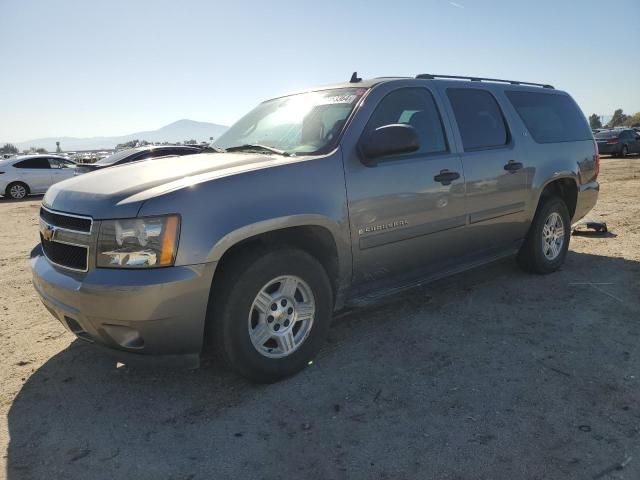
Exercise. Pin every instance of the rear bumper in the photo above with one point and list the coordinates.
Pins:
(144, 316)
(587, 199)
(608, 149)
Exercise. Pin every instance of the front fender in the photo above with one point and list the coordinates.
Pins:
(273, 224)
(220, 213)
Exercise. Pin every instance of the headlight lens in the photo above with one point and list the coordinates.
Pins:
(138, 242)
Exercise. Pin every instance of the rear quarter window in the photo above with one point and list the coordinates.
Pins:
(550, 118)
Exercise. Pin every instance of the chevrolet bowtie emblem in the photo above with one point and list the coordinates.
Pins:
(47, 231)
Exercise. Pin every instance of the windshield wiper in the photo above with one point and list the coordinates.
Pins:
(257, 146)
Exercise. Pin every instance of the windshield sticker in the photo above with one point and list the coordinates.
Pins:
(339, 99)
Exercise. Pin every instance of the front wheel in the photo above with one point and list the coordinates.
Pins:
(545, 247)
(271, 313)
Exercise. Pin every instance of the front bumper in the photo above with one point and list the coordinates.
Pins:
(139, 315)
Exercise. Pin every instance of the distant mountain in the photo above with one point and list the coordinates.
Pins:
(174, 132)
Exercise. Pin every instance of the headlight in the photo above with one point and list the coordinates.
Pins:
(138, 242)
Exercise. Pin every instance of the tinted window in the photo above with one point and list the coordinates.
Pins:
(607, 134)
(163, 152)
(415, 107)
(185, 151)
(550, 118)
(479, 118)
(33, 163)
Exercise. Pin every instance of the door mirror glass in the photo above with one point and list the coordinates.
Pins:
(388, 140)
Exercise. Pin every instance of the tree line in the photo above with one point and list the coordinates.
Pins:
(619, 119)
(12, 149)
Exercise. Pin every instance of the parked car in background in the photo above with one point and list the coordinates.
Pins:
(315, 201)
(33, 174)
(136, 154)
(618, 142)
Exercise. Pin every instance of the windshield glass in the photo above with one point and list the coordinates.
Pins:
(607, 134)
(305, 123)
(116, 157)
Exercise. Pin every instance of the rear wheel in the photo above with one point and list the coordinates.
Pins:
(17, 190)
(547, 242)
(271, 313)
(625, 151)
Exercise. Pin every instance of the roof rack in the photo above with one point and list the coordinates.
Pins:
(430, 76)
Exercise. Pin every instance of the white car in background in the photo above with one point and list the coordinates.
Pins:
(32, 174)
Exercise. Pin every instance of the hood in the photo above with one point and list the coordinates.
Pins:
(118, 192)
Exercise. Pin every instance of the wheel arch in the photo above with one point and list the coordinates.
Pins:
(565, 187)
(17, 182)
(317, 235)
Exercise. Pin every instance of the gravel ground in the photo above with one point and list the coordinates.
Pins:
(492, 374)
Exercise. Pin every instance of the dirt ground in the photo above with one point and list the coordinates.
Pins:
(493, 374)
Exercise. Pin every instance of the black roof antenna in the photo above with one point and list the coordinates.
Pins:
(355, 78)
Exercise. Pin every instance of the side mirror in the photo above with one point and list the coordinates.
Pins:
(388, 140)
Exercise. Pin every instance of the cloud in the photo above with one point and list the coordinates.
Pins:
(457, 5)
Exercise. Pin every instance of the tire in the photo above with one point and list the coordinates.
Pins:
(538, 256)
(624, 152)
(244, 334)
(17, 190)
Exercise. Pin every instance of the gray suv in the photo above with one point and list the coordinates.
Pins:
(316, 201)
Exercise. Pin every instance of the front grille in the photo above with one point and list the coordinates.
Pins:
(69, 256)
(65, 221)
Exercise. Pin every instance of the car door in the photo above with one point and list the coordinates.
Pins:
(495, 169)
(61, 169)
(406, 212)
(35, 173)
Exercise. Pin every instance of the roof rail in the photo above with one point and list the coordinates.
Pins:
(430, 76)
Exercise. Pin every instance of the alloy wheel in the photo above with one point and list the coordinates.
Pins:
(281, 316)
(552, 236)
(17, 191)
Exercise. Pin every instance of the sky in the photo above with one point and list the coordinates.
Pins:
(92, 68)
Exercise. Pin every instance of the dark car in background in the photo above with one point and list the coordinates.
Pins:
(618, 142)
(139, 153)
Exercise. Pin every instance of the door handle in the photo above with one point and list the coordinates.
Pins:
(512, 166)
(445, 177)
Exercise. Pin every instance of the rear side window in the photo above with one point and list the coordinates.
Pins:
(550, 118)
(415, 107)
(479, 118)
(33, 163)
